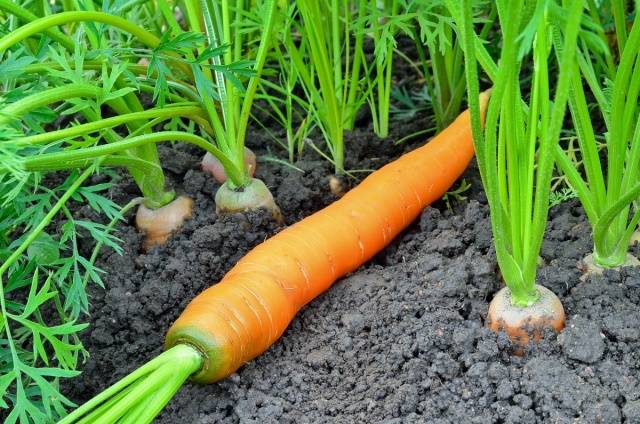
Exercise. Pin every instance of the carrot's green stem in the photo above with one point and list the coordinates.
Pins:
(608, 190)
(515, 150)
(230, 121)
(26, 16)
(52, 95)
(72, 158)
(189, 110)
(141, 395)
(152, 184)
(328, 85)
(46, 23)
(352, 101)
(250, 94)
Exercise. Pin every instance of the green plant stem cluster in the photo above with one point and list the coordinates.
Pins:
(141, 395)
(515, 148)
(221, 24)
(228, 125)
(440, 54)
(329, 65)
(608, 190)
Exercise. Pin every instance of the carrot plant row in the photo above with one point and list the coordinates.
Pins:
(515, 151)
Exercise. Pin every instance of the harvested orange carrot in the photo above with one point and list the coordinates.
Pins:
(240, 317)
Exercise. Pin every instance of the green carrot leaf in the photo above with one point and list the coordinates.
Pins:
(44, 250)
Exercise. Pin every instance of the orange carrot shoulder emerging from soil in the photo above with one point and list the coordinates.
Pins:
(239, 318)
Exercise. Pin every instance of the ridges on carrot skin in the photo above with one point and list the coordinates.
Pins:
(240, 317)
(266, 288)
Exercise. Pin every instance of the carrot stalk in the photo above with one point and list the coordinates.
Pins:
(237, 319)
(171, 368)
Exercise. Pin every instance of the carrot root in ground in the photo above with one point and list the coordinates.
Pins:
(237, 319)
(159, 224)
(520, 323)
(254, 196)
(211, 165)
(588, 266)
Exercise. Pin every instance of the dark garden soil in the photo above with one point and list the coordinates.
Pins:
(401, 340)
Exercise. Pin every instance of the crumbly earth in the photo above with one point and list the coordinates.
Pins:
(401, 340)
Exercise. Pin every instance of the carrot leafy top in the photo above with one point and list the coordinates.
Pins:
(515, 148)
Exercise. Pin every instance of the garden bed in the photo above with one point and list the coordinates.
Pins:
(401, 339)
(95, 107)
